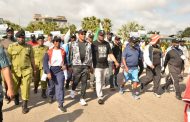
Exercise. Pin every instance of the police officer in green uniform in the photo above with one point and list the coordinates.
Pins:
(39, 52)
(23, 67)
(9, 38)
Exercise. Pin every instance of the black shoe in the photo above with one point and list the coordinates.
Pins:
(62, 109)
(6, 97)
(16, 100)
(142, 88)
(44, 93)
(178, 97)
(100, 101)
(35, 90)
(116, 85)
(165, 89)
(67, 86)
(50, 100)
(25, 108)
(112, 88)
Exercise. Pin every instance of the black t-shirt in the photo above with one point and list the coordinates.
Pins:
(117, 52)
(82, 49)
(100, 53)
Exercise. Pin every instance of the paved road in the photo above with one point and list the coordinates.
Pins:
(117, 108)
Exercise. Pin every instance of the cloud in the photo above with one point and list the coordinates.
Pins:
(156, 15)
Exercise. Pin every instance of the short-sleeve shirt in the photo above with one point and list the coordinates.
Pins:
(100, 52)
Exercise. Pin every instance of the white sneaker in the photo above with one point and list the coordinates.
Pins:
(157, 95)
(72, 94)
(83, 102)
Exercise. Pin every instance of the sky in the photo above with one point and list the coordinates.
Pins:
(166, 16)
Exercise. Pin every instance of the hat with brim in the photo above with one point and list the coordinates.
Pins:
(20, 34)
(101, 32)
(40, 37)
(154, 39)
(81, 31)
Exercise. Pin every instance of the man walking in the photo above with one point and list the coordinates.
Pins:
(152, 58)
(101, 51)
(130, 59)
(81, 58)
(175, 61)
(23, 66)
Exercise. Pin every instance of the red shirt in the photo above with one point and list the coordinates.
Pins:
(32, 43)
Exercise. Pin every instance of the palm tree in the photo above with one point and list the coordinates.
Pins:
(129, 27)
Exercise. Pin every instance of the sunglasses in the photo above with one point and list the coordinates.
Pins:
(83, 34)
(57, 41)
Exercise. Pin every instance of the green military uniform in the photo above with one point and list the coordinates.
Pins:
(21, 57)
(39, 52)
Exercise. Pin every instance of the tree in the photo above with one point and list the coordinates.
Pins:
(47, 27)
(129, 27)
(106, 23)
(186, 32)
(13, 25)
(154, 32)
(64, 29)
(90, 23)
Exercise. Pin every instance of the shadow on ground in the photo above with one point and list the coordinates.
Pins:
(68, 117)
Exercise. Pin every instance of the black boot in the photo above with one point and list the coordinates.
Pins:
(166, 90)
(35, 90)
(178, 96)
(67, 85)
(6, 97)
(16, 100)
(25, 108)
(44, 93)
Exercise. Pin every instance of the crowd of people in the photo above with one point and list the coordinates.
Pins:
(60, 66)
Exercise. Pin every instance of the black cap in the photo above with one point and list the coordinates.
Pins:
(9, 29)
(20, 33)
(133, 39)
(40, 36)
(181, 40)
(32, 36)
(73, 35)
(101, 32)
(81, 31)
(56, 38)
(91, 35)
(175, 40)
